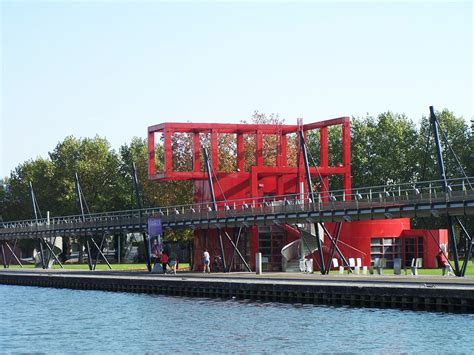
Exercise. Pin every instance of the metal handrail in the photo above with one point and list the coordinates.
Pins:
(289, 252)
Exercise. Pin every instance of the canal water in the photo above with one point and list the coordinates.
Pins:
(46, 320)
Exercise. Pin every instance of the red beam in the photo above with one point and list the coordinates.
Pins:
(325, 123)
(240, 152)
(235, 128)
(151, 154)
(196, 152)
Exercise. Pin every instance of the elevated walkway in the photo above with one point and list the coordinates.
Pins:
(380, 202)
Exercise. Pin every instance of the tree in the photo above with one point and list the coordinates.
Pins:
(270, 142)
(385, 150)
(18, 203)
(3, 187)
(97, 166)
(458, 143)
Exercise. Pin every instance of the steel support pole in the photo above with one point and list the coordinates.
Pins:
(118, 248)
(33, 201)
(337, 248)
(231, 263)
(89, 256)
(214, 204)
(136, 187)
(333, 249)
(42, 253)
(49, 254)
(52, 252)
(81, 205)
(100, 252)
(439, 149)
(311, 195)
(146, 241)
(467, 255)
(13, 255)
(439, 154)
(3, 256)
(79, 195)
(452, 235)
(238, 252)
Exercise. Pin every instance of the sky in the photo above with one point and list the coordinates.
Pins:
(112, 69)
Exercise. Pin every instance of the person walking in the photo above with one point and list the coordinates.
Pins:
(206, 259)
(173, 263)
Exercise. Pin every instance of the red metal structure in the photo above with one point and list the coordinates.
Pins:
(250, 175)
(249, 181)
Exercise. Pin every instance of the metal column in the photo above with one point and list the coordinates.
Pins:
(214, 204)
(311, 195)
(439, 154)
(81, 205)
(136, 188)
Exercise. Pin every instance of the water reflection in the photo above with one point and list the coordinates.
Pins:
(55, 320)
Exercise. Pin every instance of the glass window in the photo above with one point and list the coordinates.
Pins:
(387, 241)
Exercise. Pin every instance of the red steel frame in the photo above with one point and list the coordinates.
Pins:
(281, 168)
(260, 180)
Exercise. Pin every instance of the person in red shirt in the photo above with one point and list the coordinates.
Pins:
(164, 261)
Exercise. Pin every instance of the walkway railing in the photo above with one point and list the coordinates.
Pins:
(386, 198)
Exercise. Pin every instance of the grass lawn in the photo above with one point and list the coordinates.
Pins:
(185, 266)
(138, 267)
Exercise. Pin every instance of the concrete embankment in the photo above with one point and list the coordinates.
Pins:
(425, 293)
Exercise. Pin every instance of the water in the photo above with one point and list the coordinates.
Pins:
(59, 320)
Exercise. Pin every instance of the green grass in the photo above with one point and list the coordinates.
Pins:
(185, 266)
(130, 267)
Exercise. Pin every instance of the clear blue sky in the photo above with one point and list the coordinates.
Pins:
(115, 68)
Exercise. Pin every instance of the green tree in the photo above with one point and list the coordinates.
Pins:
(18, 203)
(458, 142)
(3, 186)
(98, 167)
(385, 150)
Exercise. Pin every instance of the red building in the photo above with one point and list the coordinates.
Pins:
(265, 161)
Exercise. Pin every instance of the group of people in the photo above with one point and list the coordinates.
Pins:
(206, 261)
(171, 263)
(168, 262)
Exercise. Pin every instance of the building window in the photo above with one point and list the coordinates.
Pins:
(388, 248)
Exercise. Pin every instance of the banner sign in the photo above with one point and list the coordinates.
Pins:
(154, 227)
(154, 238)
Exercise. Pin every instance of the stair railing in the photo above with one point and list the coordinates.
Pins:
(289, 252)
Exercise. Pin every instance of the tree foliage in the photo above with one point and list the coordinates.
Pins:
(391, 149)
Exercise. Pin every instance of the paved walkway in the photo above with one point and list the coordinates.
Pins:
(388, 280)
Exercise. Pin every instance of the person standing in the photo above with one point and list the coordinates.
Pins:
(164, 261)
(206, 259)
